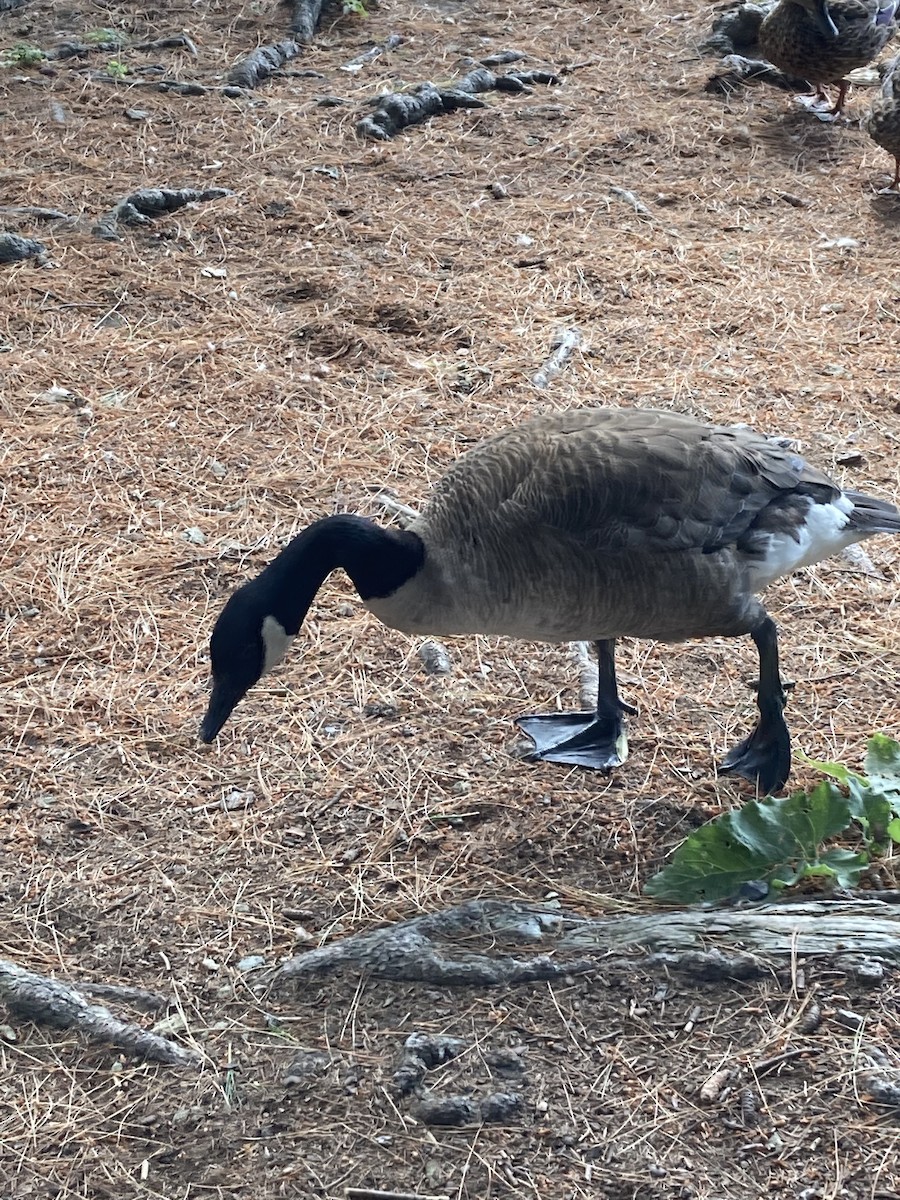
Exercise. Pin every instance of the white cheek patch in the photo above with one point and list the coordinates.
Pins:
(276, 641)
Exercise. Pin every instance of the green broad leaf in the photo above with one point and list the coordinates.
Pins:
(766, 839)
(845, 866)
(893, 829)
(873, 812)
(883, 763)
(836, 770)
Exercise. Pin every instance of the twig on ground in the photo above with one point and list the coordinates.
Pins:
(631, 199)
(563, 342)
(353, 1193)
(367, 56)
(144, 206)
(174, 41)
(31, 212)
(50, 1002)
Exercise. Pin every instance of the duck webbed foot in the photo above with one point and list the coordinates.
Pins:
(764, 758)
(585, 739)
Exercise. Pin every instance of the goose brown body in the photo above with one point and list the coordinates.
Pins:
(605, 523)
(796, 38)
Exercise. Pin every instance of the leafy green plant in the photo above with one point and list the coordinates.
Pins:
(116, 68)
(22, 54)
(779, 842)
(105, 37)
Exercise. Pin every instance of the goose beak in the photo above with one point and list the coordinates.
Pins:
(221, 705)
(824, 22)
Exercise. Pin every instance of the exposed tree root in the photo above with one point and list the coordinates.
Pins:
(50, 1002)
(144, 206)
(262, 63)
(305, 18)
(397, 110)
(14, 248)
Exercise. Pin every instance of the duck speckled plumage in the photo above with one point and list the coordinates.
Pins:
(821, 40)
(883, 123)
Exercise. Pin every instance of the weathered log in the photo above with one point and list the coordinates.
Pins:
(459, 945)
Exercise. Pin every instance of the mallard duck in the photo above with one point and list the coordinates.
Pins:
(821, 40)
(588, 525)
(883, 122)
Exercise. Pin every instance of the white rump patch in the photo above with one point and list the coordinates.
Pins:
(823, 533)
(276, 641)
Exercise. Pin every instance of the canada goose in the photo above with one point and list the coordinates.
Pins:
(883, 123)
(821, 40)
(583, 526)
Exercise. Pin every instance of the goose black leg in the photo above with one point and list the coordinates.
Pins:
(765, 756)
(585, 739)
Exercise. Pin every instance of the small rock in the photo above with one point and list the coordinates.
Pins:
(308, 1064)
(446, 1110)
(500, 1106)
(194, 535)
(251, 962)
(435, 659)
(136, 114)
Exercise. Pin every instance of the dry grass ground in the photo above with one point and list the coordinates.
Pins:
(349, 320)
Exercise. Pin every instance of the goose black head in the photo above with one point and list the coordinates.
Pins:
(247, 641)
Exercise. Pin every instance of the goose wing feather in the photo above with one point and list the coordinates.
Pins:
(615, 480)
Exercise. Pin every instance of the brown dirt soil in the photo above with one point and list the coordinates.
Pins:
(349, 320)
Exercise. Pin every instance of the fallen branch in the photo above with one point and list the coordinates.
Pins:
(144, 206)
(50, 1002)
(397, 110)
(174, 41)
(354, 1193)
(14, 248)
(367, 56)
(563, 342)
(262, 63)
(31, 212)
(459, 945)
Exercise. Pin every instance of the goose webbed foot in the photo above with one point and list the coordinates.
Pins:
(764, 758)
(585, 739)
(582, 739)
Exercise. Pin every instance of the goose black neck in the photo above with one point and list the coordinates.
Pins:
(377, 560)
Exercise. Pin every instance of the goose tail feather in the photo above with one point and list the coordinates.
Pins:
(872, 516)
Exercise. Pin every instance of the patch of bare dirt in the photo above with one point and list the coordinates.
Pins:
(350, 319)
